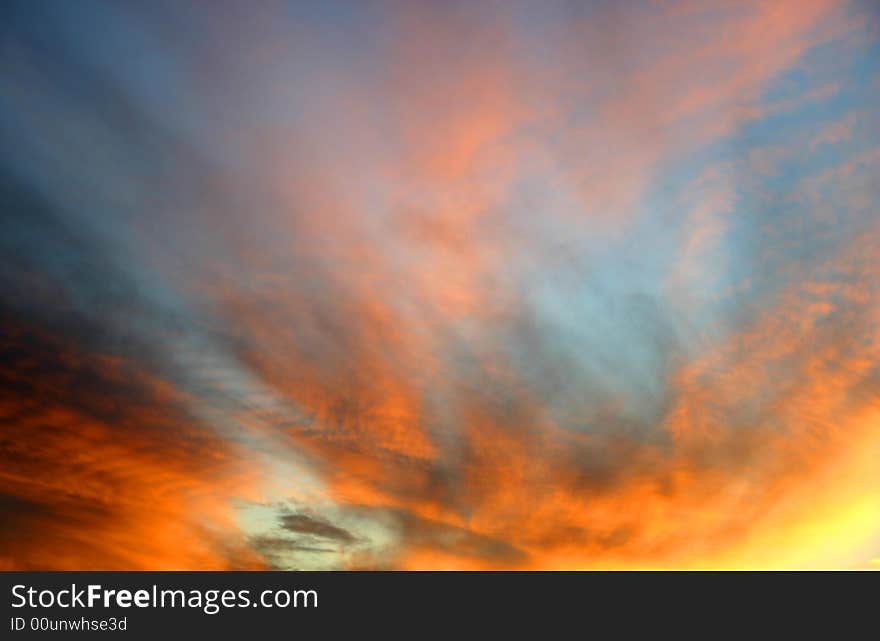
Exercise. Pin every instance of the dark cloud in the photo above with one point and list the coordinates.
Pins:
(313, 526)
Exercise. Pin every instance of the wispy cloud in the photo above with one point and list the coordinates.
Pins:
(431, 285)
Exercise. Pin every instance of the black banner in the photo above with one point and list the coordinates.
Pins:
(150, 604)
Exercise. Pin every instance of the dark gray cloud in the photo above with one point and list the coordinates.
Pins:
(314, 526)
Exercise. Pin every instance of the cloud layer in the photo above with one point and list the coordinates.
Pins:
(440, 285)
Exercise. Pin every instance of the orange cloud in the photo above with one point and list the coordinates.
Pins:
(103, 470)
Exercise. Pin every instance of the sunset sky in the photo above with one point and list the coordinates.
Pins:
(440, 285)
